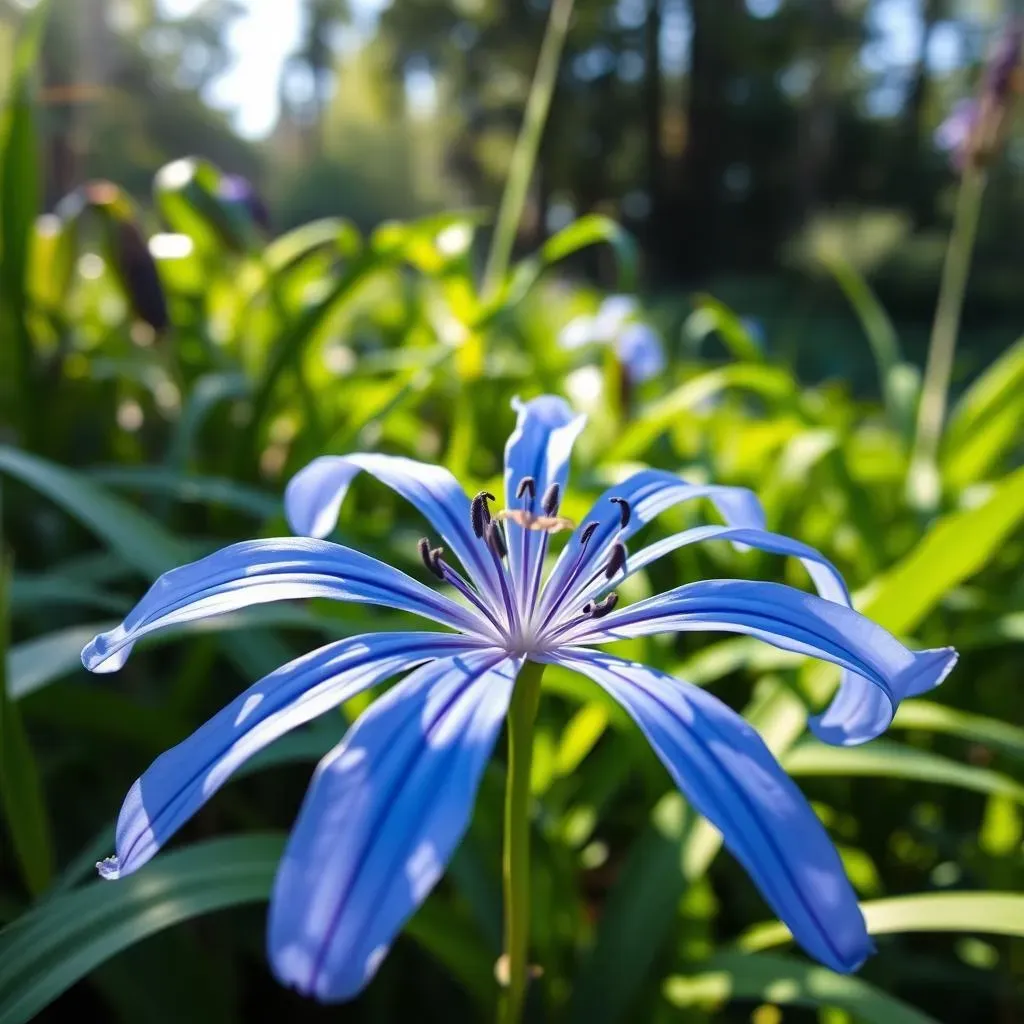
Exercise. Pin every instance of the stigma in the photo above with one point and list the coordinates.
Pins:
(532, 521)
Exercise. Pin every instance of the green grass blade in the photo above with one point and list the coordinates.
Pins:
(67, 936)
(189, 488)
(639, 913)
(21, 788)
(959, 545)
(887, 760)
(34, 593)
(133, 535)
(974, 913)
(137, 538)
(926, 716)
(19, 205)
(769, 382)
(524, 156)
(785, 981)
(985, 425)
(593, 229)
(63, 939)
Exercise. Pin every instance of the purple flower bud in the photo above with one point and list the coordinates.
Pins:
(954, 135)
(974, 130)
(1003, 63)
(139, 276)
(236, 190)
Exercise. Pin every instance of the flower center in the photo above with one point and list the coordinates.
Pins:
(521, 620)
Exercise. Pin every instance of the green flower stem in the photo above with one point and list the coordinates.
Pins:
(522, 714)
(923, 477)
(524, 157)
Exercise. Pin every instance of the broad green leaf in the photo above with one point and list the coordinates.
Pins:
(592, 229)
(986, 423)
(21, 789)
(285, 251)
(288, 348)
(29, 593)
(638, 913)
(711, 316)
(786, 981)
(898, 380)
(957, 546)
(186, 487)
(578, 738)
(140, 540)
(186, 194)
(205, 394)
(930, 717)
(137, 538)
(68, 935)
(984, 913)
(107, 719)
(887, 760)
(34, 663)
(992, 444)
(64, 938)
(770, 382)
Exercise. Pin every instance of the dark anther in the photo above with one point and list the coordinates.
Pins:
(527, 484)
(588, 532)
(616, 560)
(599, 609)
(624, 510)
(549, 503)
(496, 540)
(430, 557)
(479, 513)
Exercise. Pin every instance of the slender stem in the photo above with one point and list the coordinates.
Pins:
(922, 479)
(524, 157)
(522, 714)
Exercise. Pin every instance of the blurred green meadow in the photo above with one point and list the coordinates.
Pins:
(167, 362)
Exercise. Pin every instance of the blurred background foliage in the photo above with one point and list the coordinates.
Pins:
(176, 341)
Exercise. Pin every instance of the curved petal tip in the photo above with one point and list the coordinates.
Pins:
(928, 670)
(313, 497)
(101, 654)
(861, 712)
(854, 959)
(549, 410)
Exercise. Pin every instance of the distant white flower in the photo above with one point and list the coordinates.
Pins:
(616, 323)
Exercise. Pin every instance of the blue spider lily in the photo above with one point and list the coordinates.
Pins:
(387, 807)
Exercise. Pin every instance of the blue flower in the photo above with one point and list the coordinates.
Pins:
(955, 133)
(637, 345)
(387, 807)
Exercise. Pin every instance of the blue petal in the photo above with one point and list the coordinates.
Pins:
(795, 621)
(861, 711)
(314, 496)
(649, 493)
(539, 447)
(730, 776)
(382, 817)
(181, 780)
(823, 573)
(278, 569)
